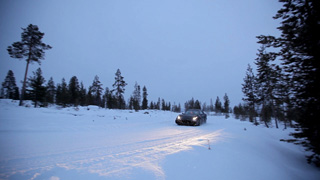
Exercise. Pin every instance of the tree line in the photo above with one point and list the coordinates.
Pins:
(217, 107)
(73, 93)
(286, 85)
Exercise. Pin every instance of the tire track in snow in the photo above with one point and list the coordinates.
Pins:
(144, 152)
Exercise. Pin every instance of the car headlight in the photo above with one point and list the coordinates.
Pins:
(178, 117)
(194, 118)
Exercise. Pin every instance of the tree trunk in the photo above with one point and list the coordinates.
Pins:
(24, 84)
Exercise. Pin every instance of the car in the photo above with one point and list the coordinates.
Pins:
(192, 117)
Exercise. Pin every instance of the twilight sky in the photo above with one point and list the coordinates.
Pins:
(178, 49)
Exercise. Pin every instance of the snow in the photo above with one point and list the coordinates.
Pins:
(94, 143)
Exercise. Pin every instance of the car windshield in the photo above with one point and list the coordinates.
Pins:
(192, 112)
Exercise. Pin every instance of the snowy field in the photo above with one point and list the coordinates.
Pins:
(92, 143)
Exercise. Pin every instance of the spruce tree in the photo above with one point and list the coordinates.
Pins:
(226, 103)
(110, 98)
(189, 104)
(192, 104)
(249, 89)
(267, 80)
(168, 106)
(300, 52)
(179, 108)
(175, 108)
(152, 105)
(37, 89)
(74, 91)
(9, 88)
(82, 95)
(30, 47)
(237, 111)
(294, 92)
(163, 105)
(51, 91)
(62, 96)
(197, 105)
(95, 92)
(119, 88)
(131, 103)
(211, 108)
(58, 94)
(144, 98)
(136, 97)
(157, 105)
(218, 105)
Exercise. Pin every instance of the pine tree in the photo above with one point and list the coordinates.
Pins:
(37, 89)
(30, 47)
(144, 98)
(51, 91)
(119, 88)
(9, 88)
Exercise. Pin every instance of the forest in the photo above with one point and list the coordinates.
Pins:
(285, 84)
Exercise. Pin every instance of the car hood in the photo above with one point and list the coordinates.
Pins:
(187, 115)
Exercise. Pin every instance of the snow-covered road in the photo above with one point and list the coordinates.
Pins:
(93, 143)
(125, 152)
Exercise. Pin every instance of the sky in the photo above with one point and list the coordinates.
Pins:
(178, 49)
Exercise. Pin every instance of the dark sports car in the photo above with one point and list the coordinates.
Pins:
(192, 117)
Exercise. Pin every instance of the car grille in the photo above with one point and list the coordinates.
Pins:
(186, 119)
